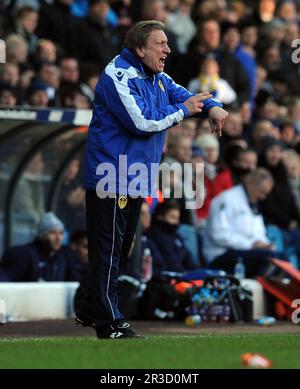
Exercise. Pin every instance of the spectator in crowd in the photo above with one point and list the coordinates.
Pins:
(289, 135)
(148, 243)
(244, 162)
(235, 227)
(48, 73)
(180, 23)
(261, 129)
(217, 178)
(25, 25)
(9, 73)
(73, 97)
(209, 80)
(30, 198)
(232, 131)
(37, 95)
(163, 232)
(16, 49)
(79, 247)
(71, 198)
(55, 20)
(69, 70)
(46, 52)
(279, 207)
(291, 160)
(206, 41)
(179, 152)
(94, 40)
(42, 259)
(25, 79)
(8, 95)
(237, 67)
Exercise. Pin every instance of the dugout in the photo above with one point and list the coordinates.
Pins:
(38, 148)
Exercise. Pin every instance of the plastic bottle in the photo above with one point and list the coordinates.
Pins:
(266, 321)
(256, 360)
(193, 320)
(146, 265)
(239, 269)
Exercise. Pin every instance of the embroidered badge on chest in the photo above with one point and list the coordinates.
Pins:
(122, 201)
(161, 85)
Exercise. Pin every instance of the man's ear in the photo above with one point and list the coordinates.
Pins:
(140, 52)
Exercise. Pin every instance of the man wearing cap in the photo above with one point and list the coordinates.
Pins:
(42, 259)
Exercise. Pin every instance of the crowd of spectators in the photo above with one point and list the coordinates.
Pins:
(240, 51)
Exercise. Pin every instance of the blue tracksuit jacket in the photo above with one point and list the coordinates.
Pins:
(131, 112)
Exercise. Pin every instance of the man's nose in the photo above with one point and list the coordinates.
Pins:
(167, 49)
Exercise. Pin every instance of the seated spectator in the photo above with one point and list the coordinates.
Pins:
(244, 162)
(8, 95)
(217, 178)
(48, 73)
(70, 206)
(279, 207)
(46, 51)
(182, 25)
(179, 152)
(79, 247)
(261, 129)
(73, 97)
(232, 131)
(209, 80)
(55, 20)
(291, 160)
(9, 73)
(69, 70)
(25, 25)
(42, 259)
(235, 227)
(289, 134)
(16, 49)
(163, 232)
(37, 95)
(94, 40)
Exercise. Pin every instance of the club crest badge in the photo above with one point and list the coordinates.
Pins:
(122, 201)
(161, 86)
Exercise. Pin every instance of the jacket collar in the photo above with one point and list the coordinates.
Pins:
(128, 56)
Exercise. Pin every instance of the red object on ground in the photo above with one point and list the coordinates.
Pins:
(256, 360)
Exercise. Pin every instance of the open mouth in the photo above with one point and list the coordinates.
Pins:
(162, 61)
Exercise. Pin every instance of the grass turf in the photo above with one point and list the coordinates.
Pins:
(205, 351)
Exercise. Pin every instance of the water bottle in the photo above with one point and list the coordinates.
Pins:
(193, 320)
(266, 321)
(239, 269)
(146, 265)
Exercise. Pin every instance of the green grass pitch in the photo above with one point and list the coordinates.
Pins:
(203, 351)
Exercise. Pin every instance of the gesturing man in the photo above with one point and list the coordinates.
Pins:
(135, 103)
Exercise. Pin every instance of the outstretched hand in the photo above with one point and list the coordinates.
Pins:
(194, 104)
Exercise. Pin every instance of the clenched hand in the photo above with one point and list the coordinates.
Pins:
(216, 117)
